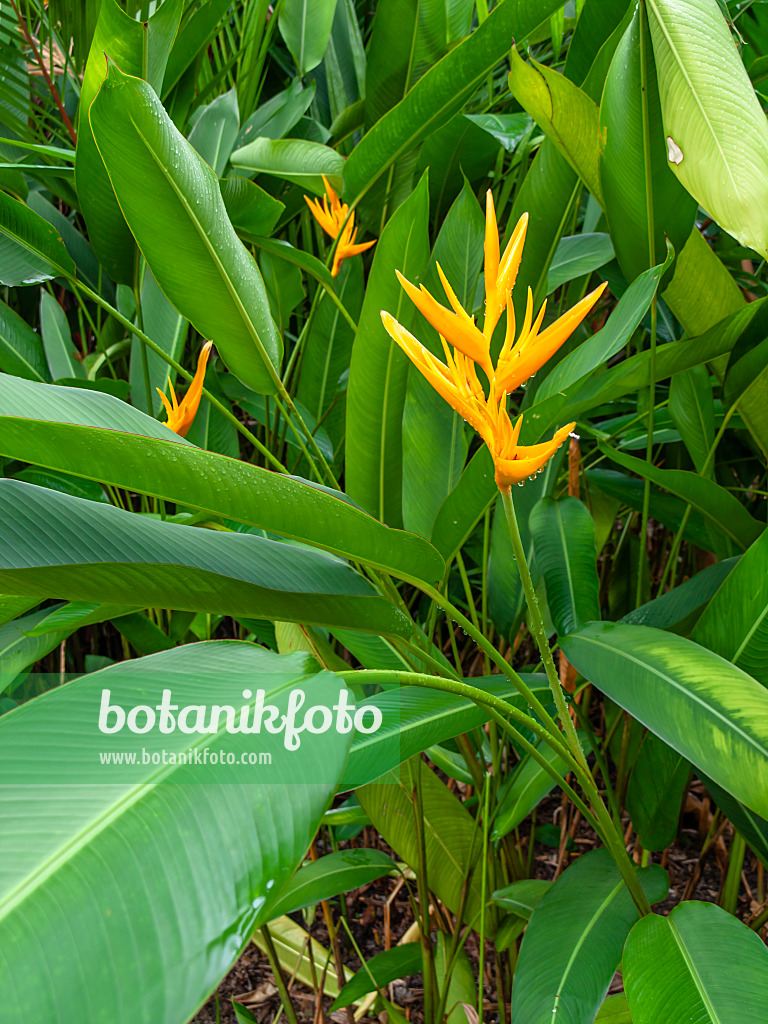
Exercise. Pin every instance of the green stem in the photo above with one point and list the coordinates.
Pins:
(539, 632)
(500, 711)
(274, 963)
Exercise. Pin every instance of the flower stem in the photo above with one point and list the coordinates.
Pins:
(539, 632)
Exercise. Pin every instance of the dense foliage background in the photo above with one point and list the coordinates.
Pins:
(328, 514)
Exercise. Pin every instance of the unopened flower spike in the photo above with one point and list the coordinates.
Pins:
(456, 379)
(331, 217)
(181, 414)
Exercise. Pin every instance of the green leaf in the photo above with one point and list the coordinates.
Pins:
(564, 545)
(521, 898)
(630, 123)
(414, 719)
(102, 553)
(390, 57)
(19, 650)
(525, 789)
(31, 250)
(566, 114)
(127, 42)
(180, 913)
(457, 974)
(440, 93)
(451, 843)
(717, 137)
(166, 328)
(720, 506)
(623, 321)
(96, 436)
(305, 25)
(21, 349)
(735, 622)
(57, 339)
(253, 211)
(508, 129)
(700, 963)
(379, 971)
(331, 875)
(577, 255)
(708, 710)
(573, 943)
(690, 597)
(297, 160)
(217, 286)
(379, 370)
(464, 506)
(692, 407)
(216, 130)
(655, 792)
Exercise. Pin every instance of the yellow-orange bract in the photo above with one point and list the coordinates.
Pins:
(181, 414)
(331, 216)
(456, 379)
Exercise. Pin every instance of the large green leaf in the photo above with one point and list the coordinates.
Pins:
(19, 650)
(716, 131)
(699, 964)
(623, 321)
(525, 789)
(305, 25)
(88, 551)
(564, 545)
(94, 435)
(57, 340)
(452, 844)
(379, 370)
(21, 348)
(708, 710)
(735, 622)
(216, 130)
(390, 57)
(441, 92)
(434, 438)
(397, 962)
(655, 792)
(578, 255)
(138, 48)
(680, 603)
(216, 284)
(573, 942)
(630, 122)
(297, 160)
(336, 873)
(692, 407)
(31, 250)
(567, 115)
(131, 868)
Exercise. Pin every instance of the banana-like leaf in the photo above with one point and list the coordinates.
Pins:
(120, 887)
(708, 710)
(573, 942)
(566, 114)
(127, 42)
(441, 92)
(564, 545)
(735, 622)
(331, 875)
(715, 127)
(31, 250)
(171, 200)
(88, 551)
(21, 349)
(97, 436)
(630, 123)
(297, 160)
(378, 371)
(452, 843)
(699, 964)
(305, 25)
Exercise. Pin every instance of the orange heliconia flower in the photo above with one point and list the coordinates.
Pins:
(181, 414)
(456, 379)
(331, 217)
